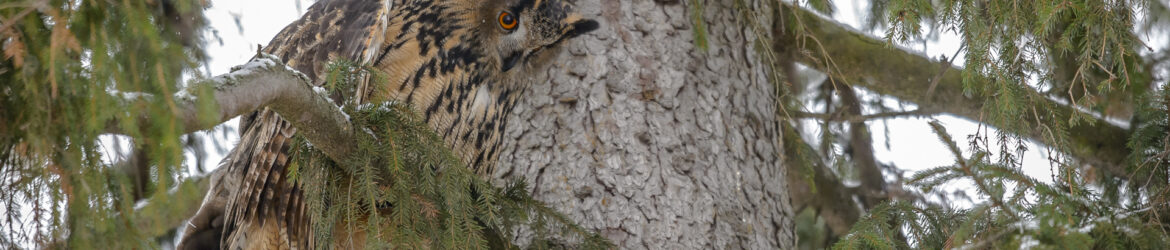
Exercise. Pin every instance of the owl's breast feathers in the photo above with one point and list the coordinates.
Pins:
(263, 210)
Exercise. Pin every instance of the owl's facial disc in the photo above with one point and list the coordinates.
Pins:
(540, 25)
(531, 54)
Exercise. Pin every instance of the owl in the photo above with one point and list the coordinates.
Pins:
(462, 64)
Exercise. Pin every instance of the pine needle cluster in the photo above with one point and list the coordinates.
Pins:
(1020, 57)
(63, 66)
(1020, 212)
(1149, 164)
(1022, 53)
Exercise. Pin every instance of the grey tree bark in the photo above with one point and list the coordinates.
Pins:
(652, 141)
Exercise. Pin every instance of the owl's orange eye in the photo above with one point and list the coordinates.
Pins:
(508, 21)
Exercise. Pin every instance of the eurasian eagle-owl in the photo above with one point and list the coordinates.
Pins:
(462, 64)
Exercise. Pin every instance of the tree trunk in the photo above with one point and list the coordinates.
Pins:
(653, 141)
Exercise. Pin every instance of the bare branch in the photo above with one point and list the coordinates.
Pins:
(861, 118)
(944, 65)
(263, 82)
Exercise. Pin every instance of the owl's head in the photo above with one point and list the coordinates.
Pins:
(527, 32)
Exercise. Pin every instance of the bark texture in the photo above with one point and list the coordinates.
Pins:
(652, 141)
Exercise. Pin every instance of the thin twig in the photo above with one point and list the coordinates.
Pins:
(9, 22)
(862, 118)
(944, 67)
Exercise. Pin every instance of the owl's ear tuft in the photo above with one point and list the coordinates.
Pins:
(581, 27)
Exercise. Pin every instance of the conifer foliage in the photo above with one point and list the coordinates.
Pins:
(74, 70)
(1022, 212)
(1091, 57)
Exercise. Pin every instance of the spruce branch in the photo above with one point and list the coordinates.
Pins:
(966, 167)
(864, 61)
(265, 81)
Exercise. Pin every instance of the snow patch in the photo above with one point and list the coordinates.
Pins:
(129, 96)
(185, 96)
(1027, 242)
(262, 61)
(141, 204)
(384, 106)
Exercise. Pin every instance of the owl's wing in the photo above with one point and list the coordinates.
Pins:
(333, 29)
(252, 205)
(350, 30)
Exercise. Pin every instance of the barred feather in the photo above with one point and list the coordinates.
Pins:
(262, 207)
